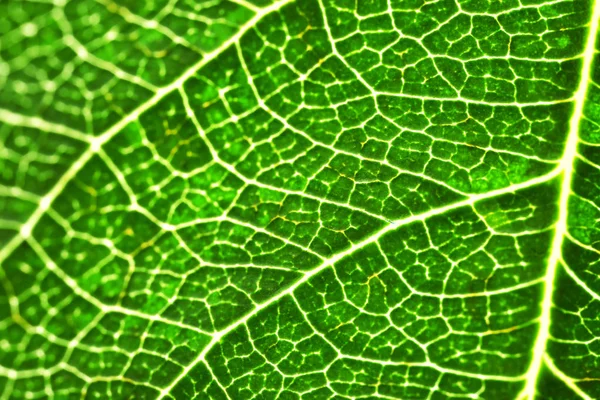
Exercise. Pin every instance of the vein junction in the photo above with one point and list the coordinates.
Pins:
(333, 199)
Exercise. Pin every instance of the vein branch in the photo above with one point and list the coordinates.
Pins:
(561, 228)
(96, 143)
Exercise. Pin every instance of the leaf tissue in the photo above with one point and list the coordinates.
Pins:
(300, 199)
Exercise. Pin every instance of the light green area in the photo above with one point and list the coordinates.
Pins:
(300, 200)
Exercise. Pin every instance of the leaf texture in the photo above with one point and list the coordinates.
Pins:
(309, 199)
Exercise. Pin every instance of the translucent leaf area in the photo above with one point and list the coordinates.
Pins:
(300, 200)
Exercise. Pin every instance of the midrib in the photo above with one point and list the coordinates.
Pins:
(566, 165)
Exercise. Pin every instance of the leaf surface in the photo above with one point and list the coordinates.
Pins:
(310, 199)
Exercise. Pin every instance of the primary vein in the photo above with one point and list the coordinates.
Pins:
(567, 167)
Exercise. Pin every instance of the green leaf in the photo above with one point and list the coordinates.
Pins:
(300, 200)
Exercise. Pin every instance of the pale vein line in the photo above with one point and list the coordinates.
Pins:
(273, 235)
(588, 161)
(473, 101)
(567, 167)
(97, 143)
(26, 121)
(424, 99)
(426, 364)
(138, 20)
(254, 182)
(579, 281)
(246, 4)
(82, 52)
(19, 193)
(335, 150)
(74, 286)
(487, 293)
(580, 244)
(337, 257)
(564, 378)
